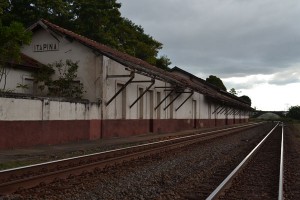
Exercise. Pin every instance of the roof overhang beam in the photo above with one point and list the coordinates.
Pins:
(147, 89)
(191, 94)
(121, 89)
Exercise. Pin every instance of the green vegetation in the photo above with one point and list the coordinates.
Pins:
(98, 20)
(15, 164)
(292, 116)
(12, 36)
(246, 99)
(294, 112)
(233, 91)
(216, 81)
(65, 85)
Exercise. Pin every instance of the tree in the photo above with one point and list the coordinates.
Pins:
(216, 82)
(163, 62)
(29, 11)
(294, 112)
(97, 20)
(246, 99)
(3, 5)
(12, 37)
(233, 91)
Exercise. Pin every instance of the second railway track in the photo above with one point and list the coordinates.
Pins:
(260, 174)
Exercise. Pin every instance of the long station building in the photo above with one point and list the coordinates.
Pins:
(123, 95)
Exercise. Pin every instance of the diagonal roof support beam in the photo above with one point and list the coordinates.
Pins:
(172, 101)
(225, 110)
(147, 89)
(192, 92)
(239, 112)
(222, 110)
(235, 111)
(163, 99)
(230, 111)
(216, 109)
(121, 89)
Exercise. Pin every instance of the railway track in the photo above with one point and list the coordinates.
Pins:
(260, 174)
(29, 176)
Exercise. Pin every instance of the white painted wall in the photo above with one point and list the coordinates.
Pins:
(13, 109)
(17, 76)
(20, 109)
(112, 111)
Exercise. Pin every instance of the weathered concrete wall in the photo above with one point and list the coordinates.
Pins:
(17, 76)
(13, 109)
(20, 109)
(29, 122)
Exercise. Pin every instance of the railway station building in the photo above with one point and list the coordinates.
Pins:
(123, 96)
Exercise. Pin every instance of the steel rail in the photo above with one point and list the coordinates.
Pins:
(216, 193)
(280, 192)
(63, 168)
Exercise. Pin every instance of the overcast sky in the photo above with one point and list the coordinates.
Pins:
(253, 46)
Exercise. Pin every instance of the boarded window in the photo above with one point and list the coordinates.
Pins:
(194, 113)
(209, 110)
(121, 103)
(28, 86)
(141, 103)
(150, 104)
(158, 99)
(171, 107)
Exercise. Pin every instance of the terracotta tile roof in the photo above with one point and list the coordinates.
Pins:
(26, 62)
(121, 57)
(141, 66)
(209, 87)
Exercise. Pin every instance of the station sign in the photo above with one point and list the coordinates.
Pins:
(45, 47)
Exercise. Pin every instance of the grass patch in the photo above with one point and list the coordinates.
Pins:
(15, 164)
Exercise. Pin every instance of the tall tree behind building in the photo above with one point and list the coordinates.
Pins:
(95, 19)
(216, 81)
(12, 36)
(246, 99)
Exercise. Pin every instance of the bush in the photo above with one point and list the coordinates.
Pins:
(294, 112)
(65, 85)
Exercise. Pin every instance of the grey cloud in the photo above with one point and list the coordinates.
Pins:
(223, 37)
(245, 83)
(286, 77)
(238, 86)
